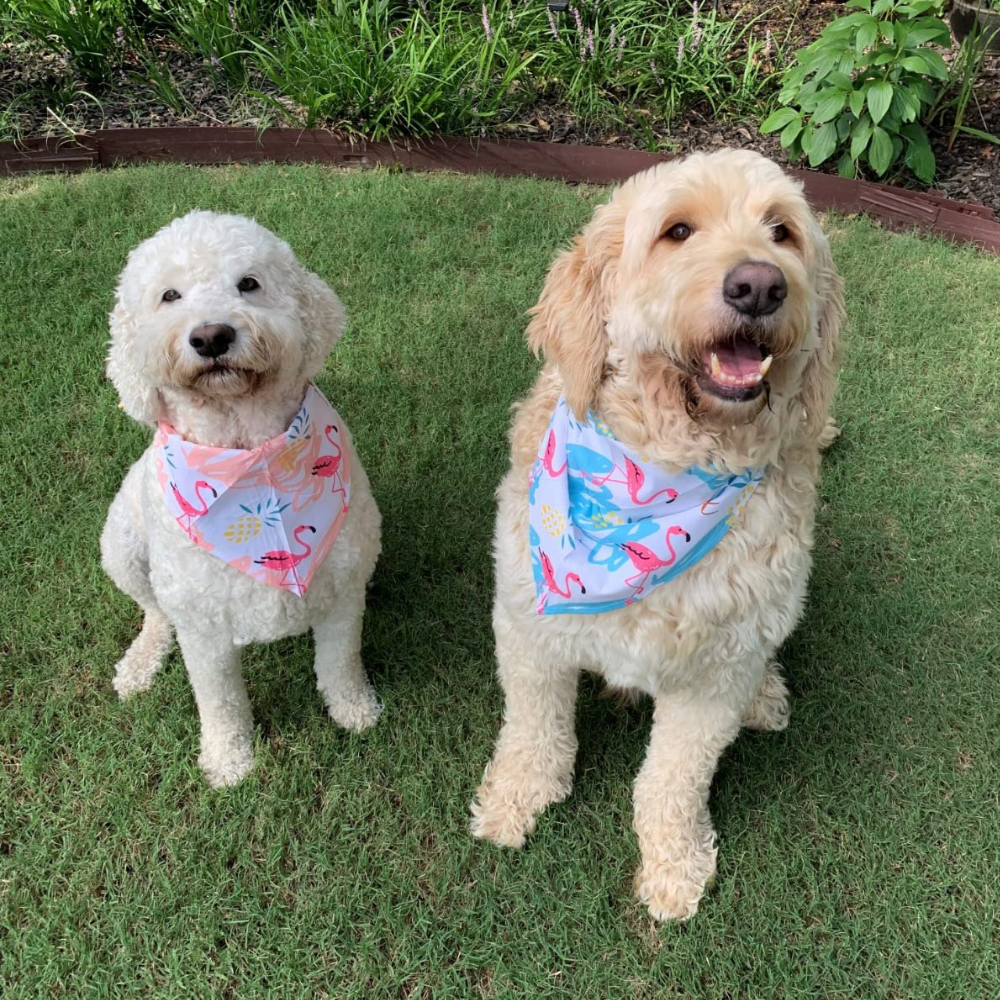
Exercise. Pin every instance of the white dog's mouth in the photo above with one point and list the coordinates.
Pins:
(735, 368)
(223, 378)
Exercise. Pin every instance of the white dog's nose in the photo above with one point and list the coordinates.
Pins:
(212, 339)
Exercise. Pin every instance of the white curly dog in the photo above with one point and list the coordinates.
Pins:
(217, 330)
(697, 317)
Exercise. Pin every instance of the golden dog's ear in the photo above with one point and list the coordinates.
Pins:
(820, 376)
(568, 324)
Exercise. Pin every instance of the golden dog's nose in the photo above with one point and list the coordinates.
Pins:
(755, 288)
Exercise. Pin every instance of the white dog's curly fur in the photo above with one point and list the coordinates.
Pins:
(628, 321)
(284, 330)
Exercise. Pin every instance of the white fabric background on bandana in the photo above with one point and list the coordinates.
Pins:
(273, 511)
(607, 526)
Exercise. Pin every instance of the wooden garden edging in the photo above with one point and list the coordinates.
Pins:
(894, 207)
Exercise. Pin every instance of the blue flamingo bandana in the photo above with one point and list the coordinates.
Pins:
(608, 525)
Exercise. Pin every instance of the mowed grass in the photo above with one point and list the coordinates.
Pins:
(859, 850)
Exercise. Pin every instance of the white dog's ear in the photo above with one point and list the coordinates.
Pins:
(820, 376)
(139, 400)
(323, 319)
(568, 323)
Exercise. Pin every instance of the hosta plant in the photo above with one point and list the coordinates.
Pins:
(863, 88)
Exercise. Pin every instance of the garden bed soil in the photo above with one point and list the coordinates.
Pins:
(969, 171)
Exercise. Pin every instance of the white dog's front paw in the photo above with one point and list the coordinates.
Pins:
(673, 884)
(769, 709)
(356, 713)
(134, 674)
(223, 768)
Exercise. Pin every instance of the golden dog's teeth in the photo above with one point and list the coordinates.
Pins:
(716, 367)
(765, 365)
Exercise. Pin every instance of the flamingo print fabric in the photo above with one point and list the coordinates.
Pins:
(272, 512)
(608, 526)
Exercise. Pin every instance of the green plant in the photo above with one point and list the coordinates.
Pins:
(93, 32)
(958, 91)
(863, 88)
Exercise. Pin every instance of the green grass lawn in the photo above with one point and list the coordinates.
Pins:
(859, 849)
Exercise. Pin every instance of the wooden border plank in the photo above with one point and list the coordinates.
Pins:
(897, 208)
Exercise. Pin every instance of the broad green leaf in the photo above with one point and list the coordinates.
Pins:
(915, 64)
(880, 151)
(846, 166)
(822, 144)
(879, 99)
(857, 102)
(778, 120)
(884, 58)
(864, 4)
(844, 124)
(839, 80)
(859, 138)
(936, 66)
(888, 31)
(920, 159)
(881, 6)
(867, 34)
(830, 104)
(790, 133)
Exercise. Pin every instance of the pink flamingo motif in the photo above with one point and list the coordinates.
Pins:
(550, 450)
(646, 561)
(282, 559)
(548, 574)
(328, 466)
(190, 511)
(636, 479)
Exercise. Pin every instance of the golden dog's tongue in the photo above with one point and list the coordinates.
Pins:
(736, 363)
(739, 359)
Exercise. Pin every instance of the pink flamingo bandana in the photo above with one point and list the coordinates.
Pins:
(607, 525)
(272, 512)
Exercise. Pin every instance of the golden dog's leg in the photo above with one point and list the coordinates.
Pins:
(829, 434)
(672, 820)
(769, 709)
(532, 765)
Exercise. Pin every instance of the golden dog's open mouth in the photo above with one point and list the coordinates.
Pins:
(735, 368)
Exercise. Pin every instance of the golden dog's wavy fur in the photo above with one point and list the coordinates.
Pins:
(624, 321)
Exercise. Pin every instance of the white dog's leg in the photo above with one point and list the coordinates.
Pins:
(213, 665)
(532, 764)
(672, 820)
(340, 675)
(769, 709)
(137, 668)
(125, 556)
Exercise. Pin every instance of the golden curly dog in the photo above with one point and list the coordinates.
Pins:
(698, 316)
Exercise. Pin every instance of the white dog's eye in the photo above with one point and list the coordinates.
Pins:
(248, 284)
(171, 295)
(679, 232)
(779, 232)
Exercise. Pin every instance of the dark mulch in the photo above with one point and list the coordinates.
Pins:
(30, 82)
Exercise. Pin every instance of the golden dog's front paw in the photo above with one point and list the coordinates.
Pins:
(510, 800)
(769, 709)
(672, 887)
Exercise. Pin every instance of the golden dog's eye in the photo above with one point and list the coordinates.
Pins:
(779, 232)
(248, 284)
(679, 233)
(171, 295)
